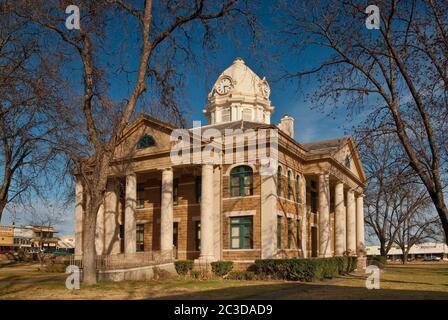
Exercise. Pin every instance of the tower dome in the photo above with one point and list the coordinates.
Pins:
(239, 94)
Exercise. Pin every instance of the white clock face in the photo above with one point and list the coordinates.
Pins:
(265, 90)
(224, 86)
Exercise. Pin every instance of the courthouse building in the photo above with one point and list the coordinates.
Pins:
(311, 205)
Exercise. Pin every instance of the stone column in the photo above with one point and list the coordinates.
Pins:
(339, 223)
(166, 214)
(111, 243)
(304, 216)
(351, 222)
(79, 213)
(360, 223)
(324, 215)
(207, 221)
(129, 214)
(99, 233)
(268, 216)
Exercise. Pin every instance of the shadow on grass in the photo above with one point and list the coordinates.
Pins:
(303, 291)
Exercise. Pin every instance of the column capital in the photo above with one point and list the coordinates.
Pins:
(166, 169)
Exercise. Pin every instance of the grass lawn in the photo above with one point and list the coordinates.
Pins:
(424, 281)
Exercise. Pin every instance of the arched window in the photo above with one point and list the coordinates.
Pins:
(297, 188)
(347, 162)
(289, 185)
(145, 141)
(279, 181)
(241, 181)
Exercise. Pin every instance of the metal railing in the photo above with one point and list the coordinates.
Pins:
(127, 260)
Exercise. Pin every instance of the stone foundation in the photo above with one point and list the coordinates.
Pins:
(136, 274)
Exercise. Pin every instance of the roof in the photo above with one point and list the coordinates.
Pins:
(326, 146)
(422, 248)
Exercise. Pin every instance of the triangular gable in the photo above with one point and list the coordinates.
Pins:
(348, 153)
(159, 131)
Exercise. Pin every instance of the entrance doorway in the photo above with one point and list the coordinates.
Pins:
(175, 238)
(313, 241)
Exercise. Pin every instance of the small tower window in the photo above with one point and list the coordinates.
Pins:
(146, 141)
(225, 115)
(247, 114)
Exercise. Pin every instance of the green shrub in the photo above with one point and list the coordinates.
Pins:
(305, 269)
(183, 266)
(241, 275)
(196, 274)
(221, 268)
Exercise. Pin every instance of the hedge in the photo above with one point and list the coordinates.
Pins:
(183, 267)
(221, 268)
(305, 269)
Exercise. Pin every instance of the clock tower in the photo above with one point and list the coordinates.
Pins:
(239, 94)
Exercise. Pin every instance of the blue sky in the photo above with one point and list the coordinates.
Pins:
(265, 60)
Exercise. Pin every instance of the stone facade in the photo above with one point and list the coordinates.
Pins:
(311, 207)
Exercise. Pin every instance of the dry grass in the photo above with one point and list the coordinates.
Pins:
(397, 282)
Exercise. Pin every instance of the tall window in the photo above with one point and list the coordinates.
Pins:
(241, 181)
(313, 202)
(279, 181)
(175, 192)
(140, 237)
(241, 233)
(299, 242)
(289, 185)
(198, 186)
(297, 188)
(140, 197)
(279, 232)
(289, 233)
(197, 233)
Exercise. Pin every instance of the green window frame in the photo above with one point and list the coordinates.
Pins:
(299, 241)
(297, 188)
(140, 237)
(197, 238)
(241, 181)
(198, 187)
(241, 233)
(289, 233)
(289, 185)
(279, 181)
(279, 232)
(146, 141)
(140, 203)
(175, 192)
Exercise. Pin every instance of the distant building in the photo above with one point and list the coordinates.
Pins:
(66, 243)
(28, 238)
(6, 238)
(417, 252)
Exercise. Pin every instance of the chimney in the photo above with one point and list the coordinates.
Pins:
(287, 125)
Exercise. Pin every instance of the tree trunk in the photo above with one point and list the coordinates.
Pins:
(404, 259)
(89, 247)
(2, 208)
(442, 210)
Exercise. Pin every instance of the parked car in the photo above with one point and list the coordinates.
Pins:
(432, 258)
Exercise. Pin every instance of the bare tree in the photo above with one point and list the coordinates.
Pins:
(164, 32)
(401, 68)
(414, 221)
(26, 91)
